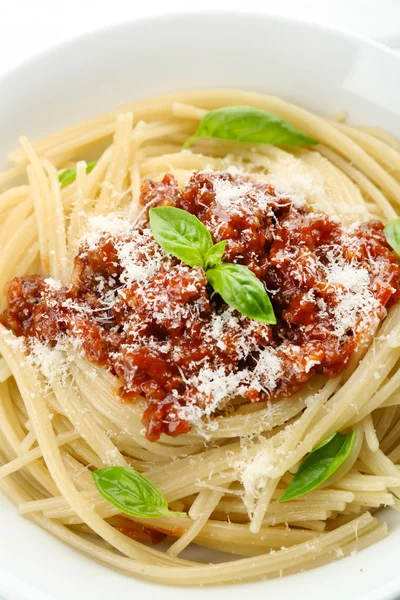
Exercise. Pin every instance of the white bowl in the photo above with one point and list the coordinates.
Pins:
(321, 69)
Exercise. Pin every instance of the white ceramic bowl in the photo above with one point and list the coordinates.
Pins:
(320, 69)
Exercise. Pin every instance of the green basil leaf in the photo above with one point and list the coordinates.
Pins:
(181, 234)
(131, 492)
(214, 255)
(69, 175)
(248, 124)
(319, 465)
(392, 233)
(241, 289)
(324, 442)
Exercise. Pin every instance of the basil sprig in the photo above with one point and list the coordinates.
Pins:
(69, 175)
(319, 466)
(392, 233)
(248, 124)
(214, 255)
(184, 236)
(132, 493)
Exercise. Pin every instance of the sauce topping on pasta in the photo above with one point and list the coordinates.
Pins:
(158, 326)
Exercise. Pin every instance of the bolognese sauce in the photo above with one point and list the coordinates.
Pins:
(157, 325)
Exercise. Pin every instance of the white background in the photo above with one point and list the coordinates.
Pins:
(28, 27)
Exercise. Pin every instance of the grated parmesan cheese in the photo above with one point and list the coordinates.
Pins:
(54, 362)
(137, 297)
(356, 304)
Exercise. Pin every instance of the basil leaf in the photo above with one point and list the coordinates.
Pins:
(131, 492)
(69, 175)
(324, 442)
(214, 255)
(392, 233)
(241, 289)
(248, 124)
(319, 465)
(181, 234)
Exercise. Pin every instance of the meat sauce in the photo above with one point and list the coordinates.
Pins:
(168, 337)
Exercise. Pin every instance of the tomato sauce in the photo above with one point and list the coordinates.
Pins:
(158, 326)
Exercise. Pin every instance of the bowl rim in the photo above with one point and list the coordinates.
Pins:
(186, 16)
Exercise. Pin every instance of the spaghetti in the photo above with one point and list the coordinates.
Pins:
(83, 260)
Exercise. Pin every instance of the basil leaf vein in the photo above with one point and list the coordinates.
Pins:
(131, 492)
(69, 175)
(319, 465)
(241, 289)
(181, 234)
(248, 124)
(392, 234)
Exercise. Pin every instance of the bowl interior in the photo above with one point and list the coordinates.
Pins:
(320, 69)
